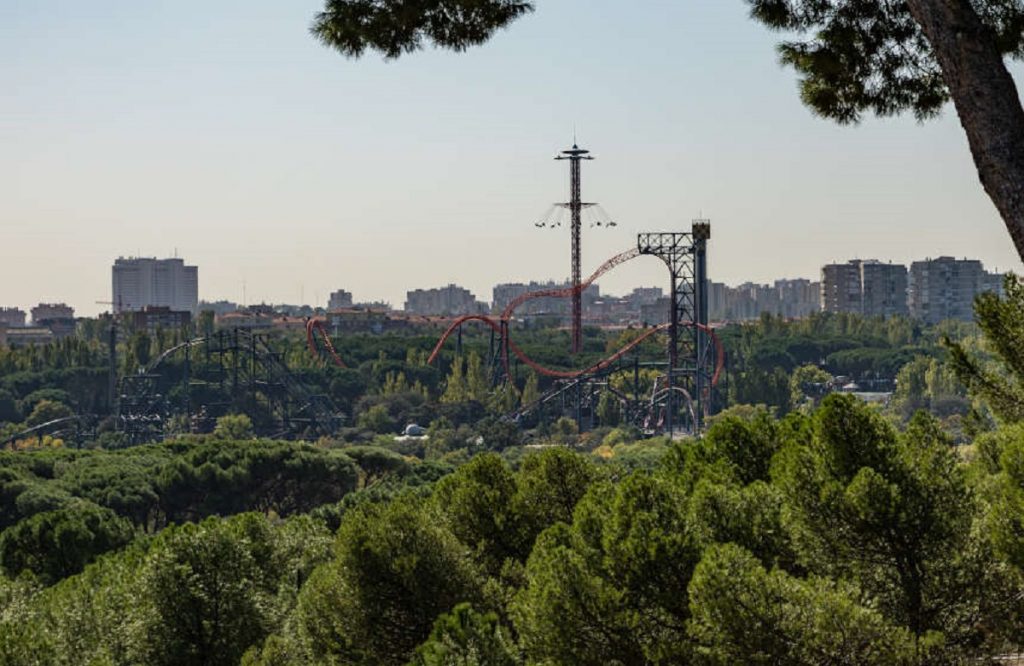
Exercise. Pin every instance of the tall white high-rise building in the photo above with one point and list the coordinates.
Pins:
(139, 282)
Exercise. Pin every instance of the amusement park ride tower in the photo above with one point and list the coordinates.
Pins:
(575, 155)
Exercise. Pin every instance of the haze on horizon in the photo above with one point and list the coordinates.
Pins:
(226, 133)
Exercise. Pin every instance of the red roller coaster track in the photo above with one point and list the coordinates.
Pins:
(316, 326)
(566, 292)
(573, 374)
(522, 356)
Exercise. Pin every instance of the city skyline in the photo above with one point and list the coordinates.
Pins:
(274, 163)
(485, 295)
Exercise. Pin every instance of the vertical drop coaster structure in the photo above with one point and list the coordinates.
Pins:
(691, 363)
(575, 155)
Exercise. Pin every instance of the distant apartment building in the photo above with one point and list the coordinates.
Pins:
(59, 318)
(597, 309)
(364, 320)
(718, 300)
(503, 294)
(49, 311)
(656, 313)
(449, 300)
(993, 282)
(218, 307)
(868, 287)
(797, 297)
(791, 299)
(727, 303)
(375, 306)
(245, 319)
(11, 317)
(841, 287)
(645, 295)
(293, 309)
(883, 289)
(29, 335)
(642, 305)
(944, 288)
(153, 318)
(339, 299)
(138, 282)
(751, 299)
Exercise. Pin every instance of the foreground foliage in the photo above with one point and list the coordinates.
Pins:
(829, 538)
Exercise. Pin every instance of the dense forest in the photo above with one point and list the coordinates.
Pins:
(829, 538)
(806, 526)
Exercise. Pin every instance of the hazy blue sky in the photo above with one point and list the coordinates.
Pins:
(224, 131)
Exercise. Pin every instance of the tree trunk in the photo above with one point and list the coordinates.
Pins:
(986, 100)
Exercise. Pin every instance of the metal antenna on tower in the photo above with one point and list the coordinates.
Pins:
(575, 155)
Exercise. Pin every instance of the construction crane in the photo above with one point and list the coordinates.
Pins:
(120, 305)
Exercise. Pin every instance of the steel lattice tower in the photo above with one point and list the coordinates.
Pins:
(690, 358)
(575, 155)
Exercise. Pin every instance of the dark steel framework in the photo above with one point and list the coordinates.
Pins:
(236, 363)
(575, 205)
(690, 353)
(579, 398)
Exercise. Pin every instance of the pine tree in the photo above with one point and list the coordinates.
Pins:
(1002, 323)
(478, 383)
(394, 383)
(609, 410)
(455, 387)
(531, 391)
(504, 399)
(415, 357)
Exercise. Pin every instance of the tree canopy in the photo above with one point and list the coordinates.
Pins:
(394, 27)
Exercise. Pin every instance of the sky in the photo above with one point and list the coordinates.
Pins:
(223, 132)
